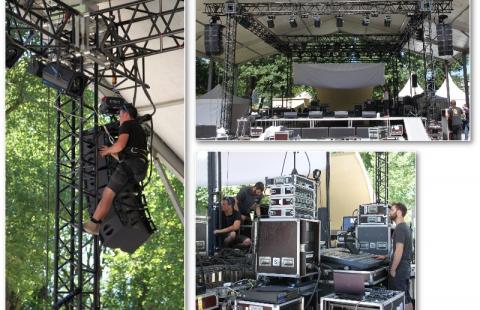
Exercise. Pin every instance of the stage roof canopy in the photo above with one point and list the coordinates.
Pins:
(250, 47)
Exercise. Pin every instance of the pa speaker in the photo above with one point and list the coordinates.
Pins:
(315, 133)
(213, 39)
(445, 39)
(369, 114)
(290, 115)
(12, 53)
(414, 80)
(206, 131)
(315, 114)
(64, 79)
(128, 224)
(341, 132)
(341, 114)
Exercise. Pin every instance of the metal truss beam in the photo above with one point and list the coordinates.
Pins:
(77, 256)
(253, 25)
(332, 8)
(381, 177)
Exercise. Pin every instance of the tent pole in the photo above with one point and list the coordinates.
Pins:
(211, 64)
(465, 79)
(448, 82)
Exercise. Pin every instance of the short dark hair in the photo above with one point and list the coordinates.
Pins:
(260, 186)
(400, 206)
(230, 200)
(130, 109)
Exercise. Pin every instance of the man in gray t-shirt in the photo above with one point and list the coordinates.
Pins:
(455, 120)
(248, 199)
(401, 259)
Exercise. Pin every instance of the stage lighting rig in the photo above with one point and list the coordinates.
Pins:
(339, 21)
(270, 22)
(316, 21)
(293, 22)
(64, 79)
(111, 105)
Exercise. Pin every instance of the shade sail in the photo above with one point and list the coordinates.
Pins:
(339, 76)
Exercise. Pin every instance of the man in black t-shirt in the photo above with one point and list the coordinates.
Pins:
(400, 262)
(248, 199)
(131, 151)
(231, 225)
(455, 120)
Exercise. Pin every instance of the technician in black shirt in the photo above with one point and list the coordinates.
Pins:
(248, 199)
(131, 151)
(231, 225)
(400, 262)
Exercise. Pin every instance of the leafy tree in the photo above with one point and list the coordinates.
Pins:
(151, 278)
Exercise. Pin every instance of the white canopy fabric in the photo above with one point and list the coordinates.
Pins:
(209, 107)
(250, 47)
(243, 168)
(455, 92)
(409, 90)
(164, 74)
(339, 76)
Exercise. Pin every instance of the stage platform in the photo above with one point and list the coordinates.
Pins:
(413, 127)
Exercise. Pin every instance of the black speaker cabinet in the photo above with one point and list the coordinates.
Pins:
(369, 114)
(315, 133)
(315, 114)
(374, 239)
(414, 80)
(341, 132)
(362, 132)
(357, 110)
(213, 39)
(290, 115)
(206, 131)
(128, 224)
(62, 78)
(287, 248)
(445, 39)
(341, 114)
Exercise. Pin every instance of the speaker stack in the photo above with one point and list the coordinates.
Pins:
(213, 39)
(445, 39)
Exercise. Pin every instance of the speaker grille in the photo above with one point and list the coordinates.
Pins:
(213, 39)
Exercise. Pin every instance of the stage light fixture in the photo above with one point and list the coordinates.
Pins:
(64, 79)
(292, 21)
(366, 21)
(388, 21)
(270, 22)
(316, 21)
(339, 21)
(442, 18)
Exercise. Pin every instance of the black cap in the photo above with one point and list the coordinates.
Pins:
(130, 109)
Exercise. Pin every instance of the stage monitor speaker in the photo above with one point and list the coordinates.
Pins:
(12, 53)
(445, 39)
(315, 114)
(290, 115)
(64, 79)
(315, 133)
(206, 131)
(369, 114)
(341, 114)
(414, 80)
(341, 132)
(295, 132)
(128, 224)
(213, 39)
(362, 132)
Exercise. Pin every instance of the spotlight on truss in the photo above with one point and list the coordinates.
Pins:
(292, 21)
(388, 21)
(270, 22)
(366, 21)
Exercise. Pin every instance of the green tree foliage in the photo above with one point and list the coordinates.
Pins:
(401, 177)
(151, 278)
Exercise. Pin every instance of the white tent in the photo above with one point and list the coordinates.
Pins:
(241, 168)
(455, 92)
(209, 107)
(409, 90)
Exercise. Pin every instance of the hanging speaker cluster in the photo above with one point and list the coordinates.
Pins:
(445, 39)
(213, 39)
(414, 80)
